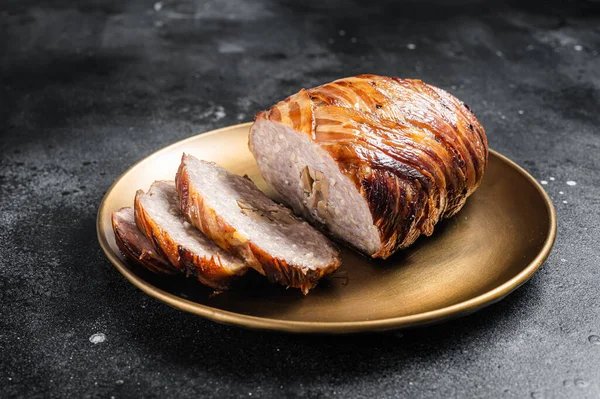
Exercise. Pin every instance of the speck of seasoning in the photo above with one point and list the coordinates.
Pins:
(378, 106)
(544, 182)
(578, 47)
(565, 202)
(521, 112)
(552, 178)
(571, 183)
(411, 46)
(563, 260)
(561, 192)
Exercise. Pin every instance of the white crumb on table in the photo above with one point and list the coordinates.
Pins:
(97, 338)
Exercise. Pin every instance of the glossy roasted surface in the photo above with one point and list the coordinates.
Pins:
(414, 151)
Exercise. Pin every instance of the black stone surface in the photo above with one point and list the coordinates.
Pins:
(87, 90)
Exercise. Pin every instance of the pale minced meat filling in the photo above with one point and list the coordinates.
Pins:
(284, 156)
(161, 203)
(270, 226)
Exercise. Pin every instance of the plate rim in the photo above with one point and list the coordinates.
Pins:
(263, 323)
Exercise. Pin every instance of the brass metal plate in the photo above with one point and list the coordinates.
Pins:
(495, 244)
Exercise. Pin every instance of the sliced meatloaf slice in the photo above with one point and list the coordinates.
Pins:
(158, 215)
(135, 246)
(240, 218)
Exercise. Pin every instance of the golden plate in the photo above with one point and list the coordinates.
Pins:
(494, 245)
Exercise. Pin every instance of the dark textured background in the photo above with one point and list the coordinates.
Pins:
(86, 91)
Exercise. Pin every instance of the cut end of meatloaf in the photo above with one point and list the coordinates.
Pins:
(311, 182)
(240, 218)
(158, 215)
(135, 246)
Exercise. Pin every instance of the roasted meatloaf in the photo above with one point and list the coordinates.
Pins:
(376, 161)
